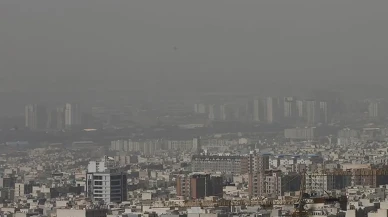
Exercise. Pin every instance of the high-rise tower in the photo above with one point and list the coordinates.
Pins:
(105, 183)
(312, 112)
(72, 115)
(35, 117)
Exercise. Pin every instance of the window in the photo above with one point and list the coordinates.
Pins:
(115, 182)
(97, 177)
(115, 177)
(97, 182)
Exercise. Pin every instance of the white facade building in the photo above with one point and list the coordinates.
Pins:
(104, 183)
(72, 115)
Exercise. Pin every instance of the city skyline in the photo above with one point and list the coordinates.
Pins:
(216, 108)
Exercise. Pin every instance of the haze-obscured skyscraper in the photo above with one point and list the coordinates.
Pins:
(51, 119)
(270, 110)
(300, 108)
(332, 98)
(324, 112)
(312, 112)
(289, 105)
(35, 117)
(223, 112)
(200, 108)
(30, 116)
(375, 109)
(256, 110)
(273, 108)
(60, 116)
(212, 115)
(72, 115)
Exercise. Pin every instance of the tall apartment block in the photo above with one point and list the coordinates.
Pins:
(199, 185)
(72, 115)
(106, 183)
(257, 165)
(35, 117)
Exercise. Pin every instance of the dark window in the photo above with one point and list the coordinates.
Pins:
(115, 177)
(115, 182)
(97, 177)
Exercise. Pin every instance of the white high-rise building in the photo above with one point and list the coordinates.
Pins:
(211, 114)
(72, 115)
(289, 105)
(324, 113)
(35, 117)
(270, 110)
(256, 110)
(312, 112)
(200, 108)
(31, 117)
(106, 183)
(196, 109)
(223, 112)
(375, 109)
(300, 108)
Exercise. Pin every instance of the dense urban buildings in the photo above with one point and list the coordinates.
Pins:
(217, 108)
(252, 151)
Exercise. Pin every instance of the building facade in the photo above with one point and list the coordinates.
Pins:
(216, 163)
(312, 112)
(272, 184)
(300, 133)
(199, 185)
(72, 115)
(35, 117)
(105, 183)
(257, 165)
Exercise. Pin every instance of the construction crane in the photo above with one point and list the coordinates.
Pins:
(300, 210)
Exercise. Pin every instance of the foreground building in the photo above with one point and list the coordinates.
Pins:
(105, 183)
(199, 186)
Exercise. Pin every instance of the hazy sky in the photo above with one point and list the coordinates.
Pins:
(131, 42)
